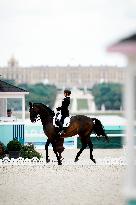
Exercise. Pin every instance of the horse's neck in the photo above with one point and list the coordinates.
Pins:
(45, 119)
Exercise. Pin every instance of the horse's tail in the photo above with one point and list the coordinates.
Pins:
(99, 129)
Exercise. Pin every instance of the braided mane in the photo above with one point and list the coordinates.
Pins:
(46, 108)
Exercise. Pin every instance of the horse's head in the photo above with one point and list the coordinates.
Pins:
(34, 112)
(39, 109)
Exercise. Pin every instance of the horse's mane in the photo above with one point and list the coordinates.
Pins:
(46, 108)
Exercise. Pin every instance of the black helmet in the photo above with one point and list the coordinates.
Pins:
(67, 91)
(8, 110)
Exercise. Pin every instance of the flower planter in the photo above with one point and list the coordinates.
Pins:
(14, 154)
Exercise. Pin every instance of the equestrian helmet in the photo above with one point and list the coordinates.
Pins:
(67, 91)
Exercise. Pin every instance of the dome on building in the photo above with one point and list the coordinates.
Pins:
(12, 62)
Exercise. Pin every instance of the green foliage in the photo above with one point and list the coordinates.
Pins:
(29, 152)
(108, 94)
(26, 151)
(2, 150)
(14, 145)
(40, 93)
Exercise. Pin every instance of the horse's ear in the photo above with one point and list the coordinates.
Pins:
(30, 104)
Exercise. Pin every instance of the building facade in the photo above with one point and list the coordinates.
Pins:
(63, 76)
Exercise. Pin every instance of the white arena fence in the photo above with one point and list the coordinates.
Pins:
(120, 161)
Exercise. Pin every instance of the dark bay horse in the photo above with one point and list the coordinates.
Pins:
(82, 125)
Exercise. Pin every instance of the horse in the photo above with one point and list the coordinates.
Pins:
(79, 125)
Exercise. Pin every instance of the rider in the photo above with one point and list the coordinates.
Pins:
(64, 110)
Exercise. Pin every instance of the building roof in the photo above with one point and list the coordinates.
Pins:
(129, 38)
(126, 46)
(6, 87)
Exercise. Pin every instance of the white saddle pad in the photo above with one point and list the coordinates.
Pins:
(58, 117)
(66, 122)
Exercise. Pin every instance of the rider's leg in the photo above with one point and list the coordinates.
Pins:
(63, 129)
(59, 123)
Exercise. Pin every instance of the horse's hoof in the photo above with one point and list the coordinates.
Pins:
(59, 163)
(94, 160)
(47, 160)
(76, 159)
(62, 158)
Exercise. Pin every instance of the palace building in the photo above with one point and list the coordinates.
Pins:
(63, 76)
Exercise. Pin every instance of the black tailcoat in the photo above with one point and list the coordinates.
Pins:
(64, 107)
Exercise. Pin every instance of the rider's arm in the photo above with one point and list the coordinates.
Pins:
(65, 104)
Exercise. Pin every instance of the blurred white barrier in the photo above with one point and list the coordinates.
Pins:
(121, 161)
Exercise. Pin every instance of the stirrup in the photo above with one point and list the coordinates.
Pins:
(63, 131)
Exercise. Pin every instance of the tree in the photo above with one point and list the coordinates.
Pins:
(108, 94)
(40, 93)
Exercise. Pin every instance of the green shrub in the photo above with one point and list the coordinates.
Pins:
(14, 145)
(2, 150)
(29, 152)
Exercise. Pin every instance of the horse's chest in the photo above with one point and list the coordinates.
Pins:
(48, 130)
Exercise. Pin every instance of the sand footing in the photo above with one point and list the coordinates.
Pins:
(69, 184)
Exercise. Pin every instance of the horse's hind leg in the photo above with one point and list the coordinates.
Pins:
(46, 148)
(84, 145)
(91, 150)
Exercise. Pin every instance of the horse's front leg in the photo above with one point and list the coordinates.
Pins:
(46, 148)
(60, 156)
(55, 151)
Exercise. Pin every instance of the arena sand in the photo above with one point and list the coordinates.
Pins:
(69, 184)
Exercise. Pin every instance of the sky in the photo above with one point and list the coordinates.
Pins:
(61, 32)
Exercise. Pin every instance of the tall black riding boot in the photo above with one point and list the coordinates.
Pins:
(59, 123)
